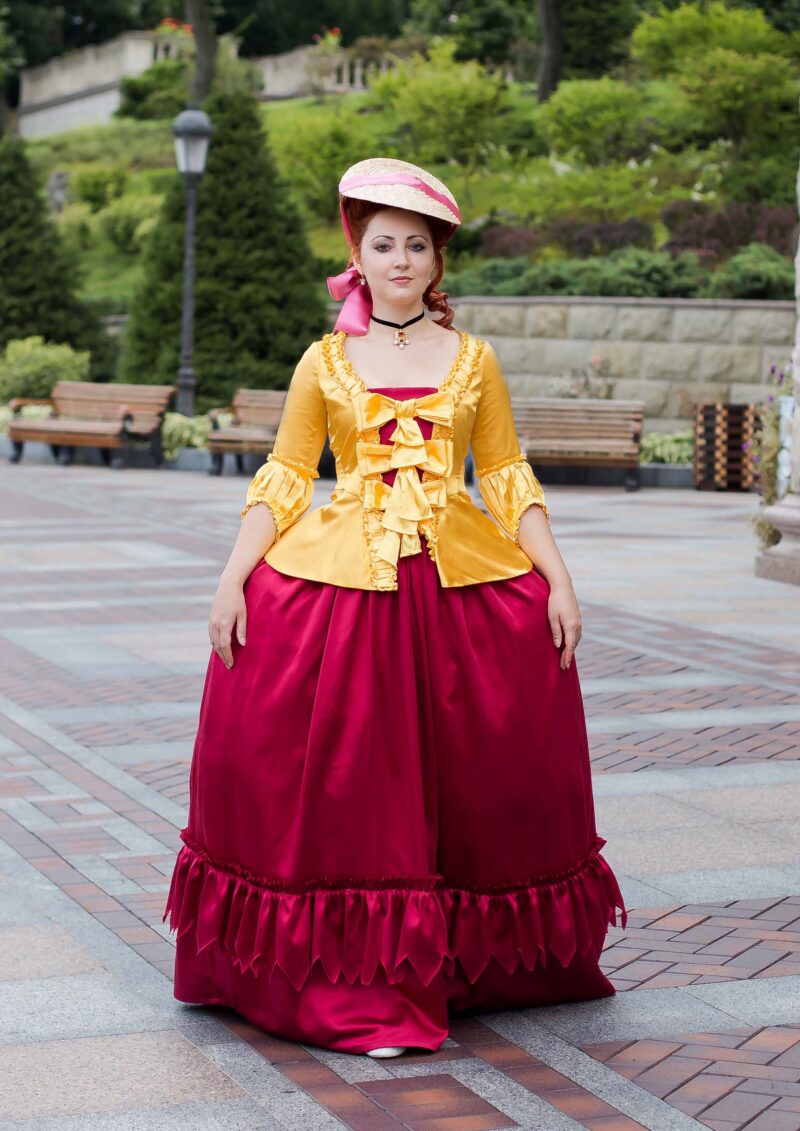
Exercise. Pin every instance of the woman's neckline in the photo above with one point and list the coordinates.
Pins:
(355, 376)
(404, 388)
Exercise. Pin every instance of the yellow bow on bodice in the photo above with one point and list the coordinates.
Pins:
(408, 504)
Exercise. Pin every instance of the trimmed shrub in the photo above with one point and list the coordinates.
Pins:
(161, 91)
(442, 110)
(76, 223)
(30, 367)
(581, 239)
(717, 235)
(757, 271)
(98, 185)
(662, 43)
(630, 272)
(667, 447)
(121, 221)
(593, 120)
(499, 241)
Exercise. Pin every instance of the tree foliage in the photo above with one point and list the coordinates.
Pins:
(441, 107)
(257, 295)
(38, 276)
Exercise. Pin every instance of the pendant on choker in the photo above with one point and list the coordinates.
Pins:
(401, 338)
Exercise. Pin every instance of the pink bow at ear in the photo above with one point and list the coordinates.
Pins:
(354, 314)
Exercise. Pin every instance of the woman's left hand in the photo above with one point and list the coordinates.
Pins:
(565, 619)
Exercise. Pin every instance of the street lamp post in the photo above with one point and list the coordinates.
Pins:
(192, 130)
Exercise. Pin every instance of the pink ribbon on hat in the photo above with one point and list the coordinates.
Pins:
(354, 315)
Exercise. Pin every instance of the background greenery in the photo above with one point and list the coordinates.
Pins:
(663, 165)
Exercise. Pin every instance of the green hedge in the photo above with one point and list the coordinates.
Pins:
(757, 272)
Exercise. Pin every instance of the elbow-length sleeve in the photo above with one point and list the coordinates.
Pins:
(285, 483)
(506, 480)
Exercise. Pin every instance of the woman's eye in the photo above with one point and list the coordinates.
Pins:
(387, 247)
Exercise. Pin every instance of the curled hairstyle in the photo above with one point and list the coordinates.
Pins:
(358, 213)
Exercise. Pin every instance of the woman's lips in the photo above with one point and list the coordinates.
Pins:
(401, 279)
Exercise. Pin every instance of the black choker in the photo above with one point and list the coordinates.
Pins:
(401, 339)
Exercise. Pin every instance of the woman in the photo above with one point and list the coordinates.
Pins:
(391, 815)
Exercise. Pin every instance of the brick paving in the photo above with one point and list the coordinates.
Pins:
(101, 670)
(729, 1080)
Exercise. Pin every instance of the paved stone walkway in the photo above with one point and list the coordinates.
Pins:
(690, 669)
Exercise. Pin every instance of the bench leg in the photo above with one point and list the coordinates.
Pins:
(55, 449)
(16, 454)
(240, 463)
(119, 459)
(633, 479)
(66, 455)
(156, 450)
(217, 460)
(105, 455)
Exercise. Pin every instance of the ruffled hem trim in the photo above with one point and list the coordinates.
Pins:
(286, 487)
(508, 489)
(352, 930)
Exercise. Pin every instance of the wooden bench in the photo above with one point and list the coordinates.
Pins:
(581, 432)
(256, 416)
(87, 414)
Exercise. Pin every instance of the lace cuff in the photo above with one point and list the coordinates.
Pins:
(508, 489)
(286, 487)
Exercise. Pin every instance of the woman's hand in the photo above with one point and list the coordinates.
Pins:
(565, 619)
(228, 611)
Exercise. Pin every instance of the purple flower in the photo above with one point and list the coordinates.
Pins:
(770, 397)
(746, 445)
(772, 370)
(780, 378)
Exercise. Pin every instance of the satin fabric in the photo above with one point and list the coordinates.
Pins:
(367, 527)
(391, 817)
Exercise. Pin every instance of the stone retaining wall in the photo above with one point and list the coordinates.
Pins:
(669, 353)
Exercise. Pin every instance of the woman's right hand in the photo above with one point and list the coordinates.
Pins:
(228, 612)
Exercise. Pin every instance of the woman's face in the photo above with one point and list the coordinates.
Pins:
(396, 256)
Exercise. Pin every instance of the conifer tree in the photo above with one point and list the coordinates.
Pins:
(39, 277)
(258, 303)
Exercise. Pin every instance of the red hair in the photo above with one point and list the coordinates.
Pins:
(358, 213)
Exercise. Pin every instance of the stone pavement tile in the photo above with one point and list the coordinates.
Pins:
(72, 1006)
(206, 1115)
(716, 842)
(772, 1001)
(44, 950)
(111, 1073)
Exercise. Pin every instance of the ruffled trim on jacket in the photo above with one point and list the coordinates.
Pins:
(508, 489)
(351, 929)
(285, 486)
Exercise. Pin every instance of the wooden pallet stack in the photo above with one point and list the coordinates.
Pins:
(721, 460)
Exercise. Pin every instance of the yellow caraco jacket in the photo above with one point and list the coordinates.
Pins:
(356, 539)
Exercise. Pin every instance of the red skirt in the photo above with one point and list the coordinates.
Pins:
(391, 816)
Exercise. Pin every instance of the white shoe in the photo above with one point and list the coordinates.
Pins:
(392, 1050)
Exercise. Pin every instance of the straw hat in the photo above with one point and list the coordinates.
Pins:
(398, 184)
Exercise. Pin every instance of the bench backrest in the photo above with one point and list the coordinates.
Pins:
(90, 400)
(569, 418)
(259, 406)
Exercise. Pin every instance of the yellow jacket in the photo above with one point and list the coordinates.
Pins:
(355, 540)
